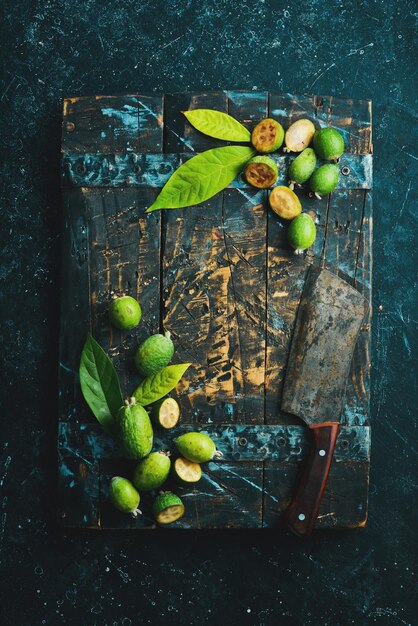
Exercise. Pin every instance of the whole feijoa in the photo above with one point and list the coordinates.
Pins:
(285, 202)
(152, 472)
(261, 172)
(302, 166)
(134, 430)
(324, 179)
(124, 496)
(154, 353)
(299, 135)
(268, 135)
(302, 232)
(328, 144)
(125, 312)
(197, 447)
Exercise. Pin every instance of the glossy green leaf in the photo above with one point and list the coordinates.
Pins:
(155, 387)
(99, 383)
(202, 176)
(218, 125)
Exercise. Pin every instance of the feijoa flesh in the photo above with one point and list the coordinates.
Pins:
(267, 136)
(301, 168)
(324, 179)
(124, 496)
(152, 472)
(261, 172)
(299, 135)
(328, 143)
(285, 202)
(165, 413)
(187, 471)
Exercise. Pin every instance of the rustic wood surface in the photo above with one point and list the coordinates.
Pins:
(223, 280)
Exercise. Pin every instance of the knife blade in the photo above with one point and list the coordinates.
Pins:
(328, 321)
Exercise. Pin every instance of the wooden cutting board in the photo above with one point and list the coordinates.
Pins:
(222, 279)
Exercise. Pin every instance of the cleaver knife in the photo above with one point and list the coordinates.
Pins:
(328, 321)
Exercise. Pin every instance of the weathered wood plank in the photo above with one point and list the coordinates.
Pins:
(113, 123)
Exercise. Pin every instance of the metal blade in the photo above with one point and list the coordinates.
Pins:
(328, 321)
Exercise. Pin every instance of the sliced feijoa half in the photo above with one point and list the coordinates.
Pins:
(301, 168)
(165, 413)
(261, 172)
(187, 471)
(152, 472)
(324, 179)
(328, 143)
(285, 203)
(267, 136)
(299, 135)
(124, 496)
(168, 508)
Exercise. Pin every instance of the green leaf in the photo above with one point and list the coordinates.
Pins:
(99, 383)
(218, 125)
(202, 177)
(158, 385)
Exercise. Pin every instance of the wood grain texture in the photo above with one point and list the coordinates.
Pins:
(224, 281)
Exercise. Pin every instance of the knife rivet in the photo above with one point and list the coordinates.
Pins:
(301, 516)
(322, 453)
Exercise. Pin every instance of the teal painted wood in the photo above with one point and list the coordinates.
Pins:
(154, 170)
(164, 258)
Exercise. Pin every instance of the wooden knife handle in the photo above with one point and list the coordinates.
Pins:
(302, 512)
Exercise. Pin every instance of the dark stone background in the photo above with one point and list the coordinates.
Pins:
(56, 48)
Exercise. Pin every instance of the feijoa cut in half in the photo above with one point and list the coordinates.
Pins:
(187, 471)
(328, 143)
(261, 172)
(299, 135)
(124, 496)
(285, 203)
(301, 168)
(168, 508)
(165, 413)
(324, 179)
(267, 136)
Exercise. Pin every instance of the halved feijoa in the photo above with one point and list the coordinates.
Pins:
(267, 136)
(324, 179)
(285, 203)
(328, 143)
(168, 508)
(124, 496)
(261, 172)
(299, 135)
(302, 167)
(187, 471)
(152, 472)
(165, 413)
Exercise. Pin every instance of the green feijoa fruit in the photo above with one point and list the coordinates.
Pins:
(187, 471)
(152, 472)
(267, 136)
(168, 508)
(299, 135)
(302, 166)
(125, 312)
(124, 496)
(301, 233)
(134, 430)
(285, 202)
(165, 413)
(328, 143)
(324, 179)
(196, 447)
(261, 172)
(154, 353)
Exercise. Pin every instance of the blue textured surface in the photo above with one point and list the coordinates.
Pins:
(346, 49)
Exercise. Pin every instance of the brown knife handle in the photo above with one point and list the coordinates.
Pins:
(302, 512)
